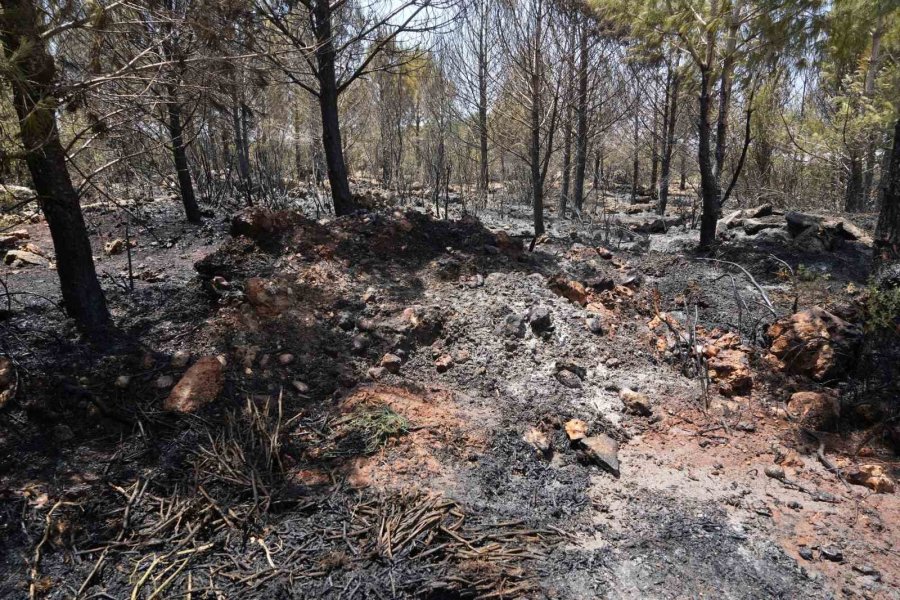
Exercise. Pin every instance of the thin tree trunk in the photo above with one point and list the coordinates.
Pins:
(46, 160)
(887, 232)
(179, 154)
(869, 91)
(709, 189)
(654, 151)
(581, 134)
(854, 196)
(671, 117)
(328, 105)
(537, 184)
(636, 163)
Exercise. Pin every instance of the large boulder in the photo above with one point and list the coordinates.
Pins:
(730, 369)
(815, 343)
(199, 386)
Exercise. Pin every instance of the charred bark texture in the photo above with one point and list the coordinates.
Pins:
(46, 160)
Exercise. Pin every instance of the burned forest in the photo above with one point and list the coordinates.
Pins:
(449, 299)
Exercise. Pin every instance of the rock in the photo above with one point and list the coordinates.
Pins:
(872, 477)
(513, 326)
(285, 359)
(443, 363)
(164, 382)
(773, 236)
(568, 379)
(200, 385)
(798, 222)
(574, 291)
(113, 247)
(816, 410)
(7, 380)
(540, 320)
(370, 296)
(868, 570)
(754, 226)
(539, 441)
(636, 402)
(810, 241)
(730, 369)
(832, 553)
(28, 258)
(602, 451)
(300, 387)
(461, 356)
(594, 325)
(359, 344)
(391, 362)
(733, 219)
(122, 381)
(219, 283)
(763, 210)
(815, 343)
(849, 231)
(576, 429)
(805, 552)
(180, 359)
(775, 472)
(376, 373)
(63, 432)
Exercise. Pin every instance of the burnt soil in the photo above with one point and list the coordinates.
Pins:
(276, 489)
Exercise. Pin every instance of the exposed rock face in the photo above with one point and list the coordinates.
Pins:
(199, 386)
(815, 343)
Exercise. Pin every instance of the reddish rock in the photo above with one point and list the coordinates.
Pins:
(730, 369)
(817, 410)
(572, 290)
(815, 343)
(391, 362)
(443, 363)
(872, 477)
(199, 386)
(260, 223)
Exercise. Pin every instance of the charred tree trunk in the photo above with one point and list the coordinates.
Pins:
(537, 183)
(179, 155)
(46, 160)
(671, 117)
(483, 173)
(636, 162)
(854, 195)
(709, 188)
(581, 133)
(328, 105)
(654, 150)
(567, 163)
(887, 232)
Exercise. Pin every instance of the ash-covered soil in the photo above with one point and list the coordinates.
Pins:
(392, 421)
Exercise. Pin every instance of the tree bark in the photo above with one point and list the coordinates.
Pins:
(636, 161)
(46, 160)
(179, 154)
(328, 105)
(537, 183)
(671, 117)
(483, 174)
(581, 134)
(854, 195)
(709, 188)
(887, 232)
